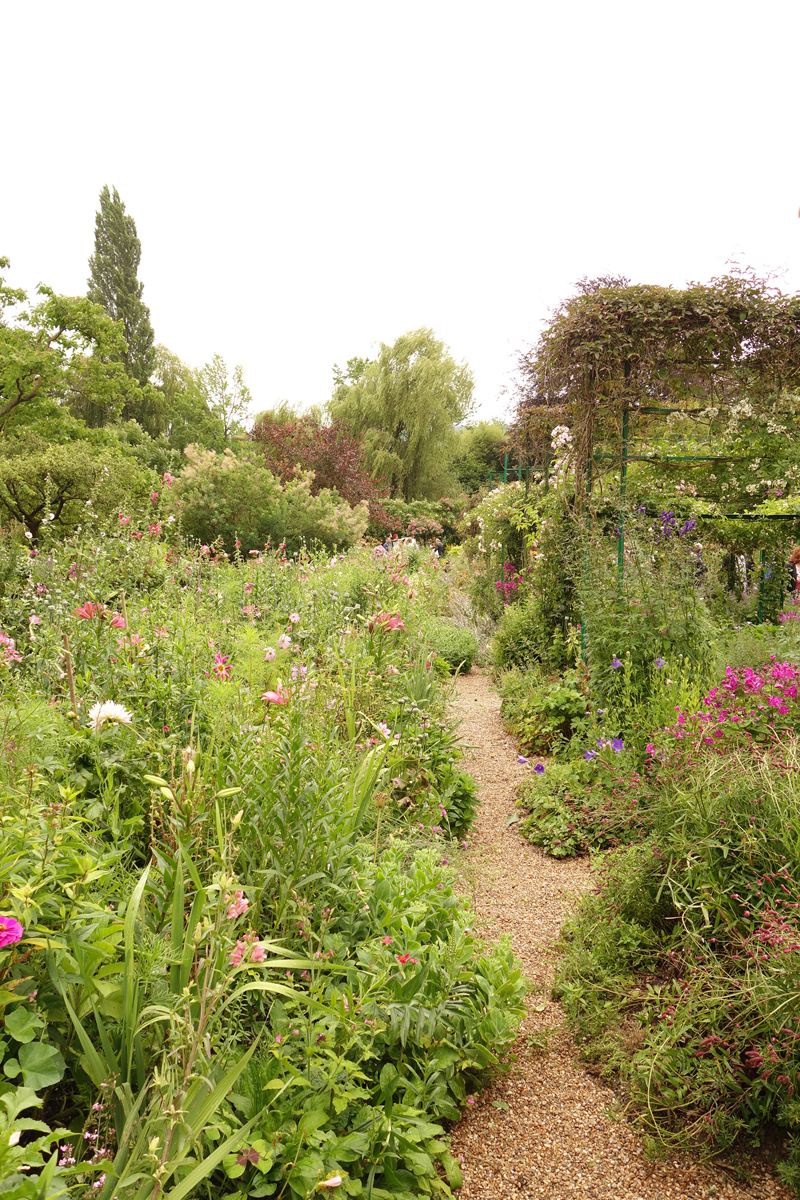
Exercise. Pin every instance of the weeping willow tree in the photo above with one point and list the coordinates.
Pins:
(405, 404)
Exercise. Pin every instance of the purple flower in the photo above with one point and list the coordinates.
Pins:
(590, 755)
(659, 662)
(521, 759)
(688, 527)
(617, 745)
(539, 768)
(615, 663)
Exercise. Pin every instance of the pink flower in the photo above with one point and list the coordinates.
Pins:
(10, 931)
(221, 666)
(124, 520)
(385, 622)
(387, 941)
(284, 642)
(257, 954)
(650, 749)
(278, 697)
(248, 587)
(294, 618)
(238, 906)
(160, 631)
(154, 497)
(334, 1182)
(269, 654)
(117, 621)
(470, 1101)
(168, 479)
(87, 611)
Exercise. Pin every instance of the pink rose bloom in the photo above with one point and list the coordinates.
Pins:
(10, 931)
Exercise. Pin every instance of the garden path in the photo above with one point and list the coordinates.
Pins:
(547, 1128)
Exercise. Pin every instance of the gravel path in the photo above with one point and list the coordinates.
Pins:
(547, 1128)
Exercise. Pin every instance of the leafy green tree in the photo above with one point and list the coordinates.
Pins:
(60, 486)
(64, 351)
(228, 399)
(405, 404)
(478, 450)
(187, 418)
(115, 286)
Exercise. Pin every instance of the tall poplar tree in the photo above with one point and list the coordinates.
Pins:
(114, 283)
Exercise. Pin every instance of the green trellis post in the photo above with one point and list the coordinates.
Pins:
(586, 550)
(761, 557)
(505, 469)
(623, 476)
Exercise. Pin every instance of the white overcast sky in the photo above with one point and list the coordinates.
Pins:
(309, 179)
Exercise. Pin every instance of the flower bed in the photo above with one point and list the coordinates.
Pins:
(230, 807)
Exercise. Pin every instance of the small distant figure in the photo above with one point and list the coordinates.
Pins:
(793, 570)
(387, 545)
(438, 548)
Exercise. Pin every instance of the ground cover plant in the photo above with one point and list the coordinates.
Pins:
(232, 959)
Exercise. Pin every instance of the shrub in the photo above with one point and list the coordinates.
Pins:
(543, 715)
(229, 497)
(452, 645)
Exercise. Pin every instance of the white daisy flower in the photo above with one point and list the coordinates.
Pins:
(99, 714)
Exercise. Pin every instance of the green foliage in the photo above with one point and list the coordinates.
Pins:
(114, 284)
(453, 646)
(236, 910)
(234, 497)
(543, 715)
(226, 399)
(477, 452)
(62, 351)
(405, 404)
(54, 488)
(655, 613)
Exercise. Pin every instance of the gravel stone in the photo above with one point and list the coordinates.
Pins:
(548, 1128)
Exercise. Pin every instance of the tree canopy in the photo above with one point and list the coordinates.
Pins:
(405, 405)
(114, 283)
(64, 350)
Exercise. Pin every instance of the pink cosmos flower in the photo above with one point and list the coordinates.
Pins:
(269, 654)
(10, 931)
(284, 641)
(294, 618)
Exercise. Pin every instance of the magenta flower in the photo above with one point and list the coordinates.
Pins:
(221, 666)
(277, 697)
(10, 931)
